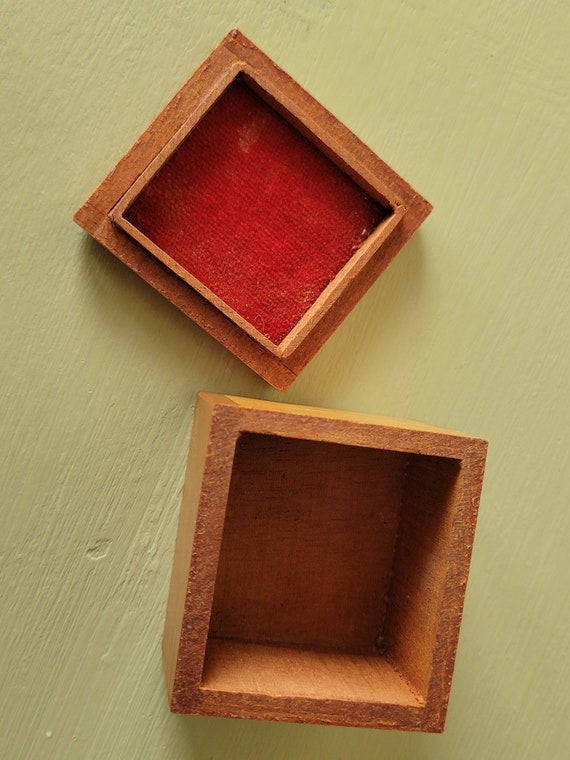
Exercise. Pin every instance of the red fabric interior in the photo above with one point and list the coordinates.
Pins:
(253, 210)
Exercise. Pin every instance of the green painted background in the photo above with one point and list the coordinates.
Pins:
(467, 329)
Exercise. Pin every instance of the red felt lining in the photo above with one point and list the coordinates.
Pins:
(254, 211)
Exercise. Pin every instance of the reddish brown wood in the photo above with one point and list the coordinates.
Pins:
(320, 566)
(105, 214)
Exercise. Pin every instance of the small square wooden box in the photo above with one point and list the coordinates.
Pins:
(254, 211)
(320, 566)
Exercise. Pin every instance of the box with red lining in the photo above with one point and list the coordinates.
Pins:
(254, 211)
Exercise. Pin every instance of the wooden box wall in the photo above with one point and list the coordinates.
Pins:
(320, 566)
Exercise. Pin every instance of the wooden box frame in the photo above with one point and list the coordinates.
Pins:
(103, 215)
(320, 566)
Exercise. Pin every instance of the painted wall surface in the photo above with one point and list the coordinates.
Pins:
(467, 329)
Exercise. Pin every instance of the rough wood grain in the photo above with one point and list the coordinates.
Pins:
(328, 566)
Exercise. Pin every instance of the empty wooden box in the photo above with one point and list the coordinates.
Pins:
(320, 566)
(254, 211)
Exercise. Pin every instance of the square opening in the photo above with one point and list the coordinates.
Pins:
(331, 572)
(254, 215)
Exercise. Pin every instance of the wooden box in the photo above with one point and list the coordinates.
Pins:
(254, 211)
(320, 566)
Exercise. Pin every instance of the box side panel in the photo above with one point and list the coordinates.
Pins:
(211, 508)
(335, 712)
(455, 448)
(185, 537)
(470, 486)
(427, 517)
